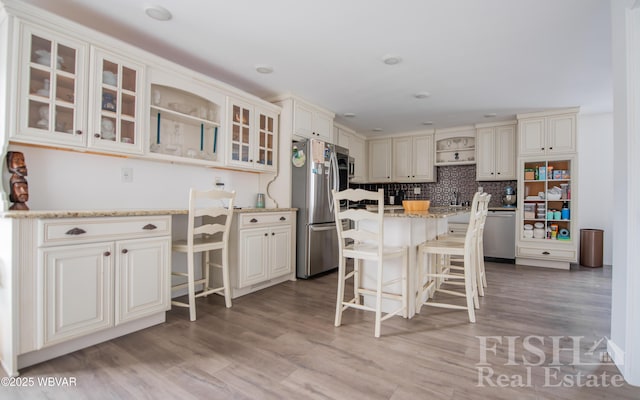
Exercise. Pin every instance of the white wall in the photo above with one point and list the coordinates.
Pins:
(625, 297)
(595, 189)
(66, 180)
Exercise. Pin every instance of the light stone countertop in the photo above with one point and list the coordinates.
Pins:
(120, 213)
(433, 212)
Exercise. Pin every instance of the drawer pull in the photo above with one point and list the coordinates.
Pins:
(76, 231)
(253, 220)
(283, 219)
(546, 253)
(149, 227)
(125, 251)
(107, 253)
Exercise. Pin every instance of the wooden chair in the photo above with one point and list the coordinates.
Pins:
(365, 242)
(478, 204)
(208, 230)
(434, 273)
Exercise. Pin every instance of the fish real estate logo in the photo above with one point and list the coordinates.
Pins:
(550, 361)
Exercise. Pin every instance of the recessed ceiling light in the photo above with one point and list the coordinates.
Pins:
(377, 129)
(427, 123)
(158, 13)
(490, 115)
(348, 115)
(422, 95)
(264, 69)
(391, 59)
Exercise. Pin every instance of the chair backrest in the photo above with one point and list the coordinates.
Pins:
(479, 210)
(209, 217)
(358, 233)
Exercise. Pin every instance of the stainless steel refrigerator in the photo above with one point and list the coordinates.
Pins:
(318, 167)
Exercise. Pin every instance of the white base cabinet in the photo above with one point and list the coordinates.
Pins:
(262, 250)
(79, 281)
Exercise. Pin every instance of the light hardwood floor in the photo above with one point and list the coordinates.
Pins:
(280, 343)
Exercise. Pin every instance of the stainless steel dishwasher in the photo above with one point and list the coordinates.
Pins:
(500, 235)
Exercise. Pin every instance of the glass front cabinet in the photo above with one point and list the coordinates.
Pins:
(547, 211)
(51, 88)
(253, 133)
(117, 101)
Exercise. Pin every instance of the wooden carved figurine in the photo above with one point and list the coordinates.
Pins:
(19, 194)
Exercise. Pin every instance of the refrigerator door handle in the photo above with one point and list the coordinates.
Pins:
(333, 178)
(322, 228)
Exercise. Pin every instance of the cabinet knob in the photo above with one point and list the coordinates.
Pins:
(550, 148)
(273, 233)
(149, 227)
(408, 176)
(253, 220)
(546, 253)
(75, 231)
(96, 135)
(78, 132)
(541, 148)
(125, 251)
(106, 253)
(266, 234)
(283, 219)
(498, 173)
(492, 173)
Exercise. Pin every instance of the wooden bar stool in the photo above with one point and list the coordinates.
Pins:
(438, 271)
(206, 232)
(478, 204)
(360, 244)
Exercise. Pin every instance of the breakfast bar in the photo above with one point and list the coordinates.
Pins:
(409, 228)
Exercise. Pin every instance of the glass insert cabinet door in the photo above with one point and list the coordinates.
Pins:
(241, 133)
(266, 139)
(117, 84)
(52, 87)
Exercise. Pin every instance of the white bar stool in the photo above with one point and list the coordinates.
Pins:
(360, 244)
(434, 273)
(205, 233)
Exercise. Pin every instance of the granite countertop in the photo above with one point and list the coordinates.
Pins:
(120, 212)
(433, 212)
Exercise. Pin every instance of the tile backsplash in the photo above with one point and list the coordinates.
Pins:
(451, 180)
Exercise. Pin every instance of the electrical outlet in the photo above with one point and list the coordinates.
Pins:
(416, 190)
(480, 189)
(127, 175)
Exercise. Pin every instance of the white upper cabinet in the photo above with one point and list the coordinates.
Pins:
(413, 159)
(117, 100)
(312, 122)
(496, 152)
(52, 77)
(380, 160)
(55, 75)
(253, 136)
(547, 134)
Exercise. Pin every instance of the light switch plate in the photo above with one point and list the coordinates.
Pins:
(416, 190)
(127, 175)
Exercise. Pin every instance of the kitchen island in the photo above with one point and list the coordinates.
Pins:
(408, 228)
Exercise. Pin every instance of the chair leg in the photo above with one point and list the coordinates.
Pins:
(205, 271)
(191, 286)
(356, 280)
(340, 295)
(405, 288)
(378, 300)
(225, 277)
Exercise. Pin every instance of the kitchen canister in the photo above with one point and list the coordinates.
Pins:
(557, 215)
(260, 200)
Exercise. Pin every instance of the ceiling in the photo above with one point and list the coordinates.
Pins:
(472, 57)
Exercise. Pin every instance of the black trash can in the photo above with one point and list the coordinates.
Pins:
(591, 247)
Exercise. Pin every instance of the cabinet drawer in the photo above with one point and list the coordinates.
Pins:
(78, 230)
(250, 220)
(550, 254)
